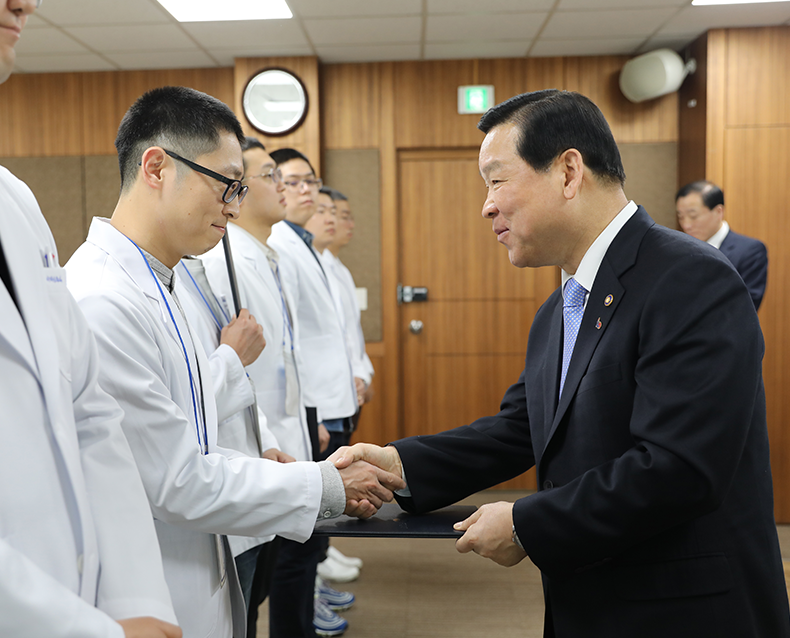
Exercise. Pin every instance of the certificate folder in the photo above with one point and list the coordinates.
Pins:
(392, 522)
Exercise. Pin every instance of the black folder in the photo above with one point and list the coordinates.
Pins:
(392, 522)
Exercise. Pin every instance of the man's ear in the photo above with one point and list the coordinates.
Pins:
(154, 167)
(571, 166)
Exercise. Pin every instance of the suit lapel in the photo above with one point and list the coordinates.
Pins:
(605, 297)
(551, 385)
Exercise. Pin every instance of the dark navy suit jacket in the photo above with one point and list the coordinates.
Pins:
(750, 258)
(654, 510)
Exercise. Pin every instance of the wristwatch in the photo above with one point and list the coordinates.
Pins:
(515, 538)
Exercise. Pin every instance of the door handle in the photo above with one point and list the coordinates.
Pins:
(415, 326)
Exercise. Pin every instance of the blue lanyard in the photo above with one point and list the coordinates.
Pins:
(204, 443)
(286, 317)
(205, 301)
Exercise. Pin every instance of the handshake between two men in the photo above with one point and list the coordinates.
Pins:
(371, 474)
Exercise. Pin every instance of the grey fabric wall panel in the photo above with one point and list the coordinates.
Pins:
(356, 174)
(58, 184)
(651, 172)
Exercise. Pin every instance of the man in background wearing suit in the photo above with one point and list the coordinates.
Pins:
(700, 208)
(641, 405)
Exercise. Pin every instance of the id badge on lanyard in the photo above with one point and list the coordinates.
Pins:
(291, 383)
(222, 564)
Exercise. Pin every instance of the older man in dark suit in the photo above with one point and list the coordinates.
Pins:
(641, 404)
(700, 209)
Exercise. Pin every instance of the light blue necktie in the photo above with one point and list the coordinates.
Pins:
(572, 311)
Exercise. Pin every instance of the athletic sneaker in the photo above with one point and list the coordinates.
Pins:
(330, 569)
(340, 557)
(335, 600)
(327, 622)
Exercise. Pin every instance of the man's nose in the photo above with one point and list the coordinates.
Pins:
(231, 210)
(489, 208)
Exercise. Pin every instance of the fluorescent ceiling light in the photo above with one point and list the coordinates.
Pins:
(205, 11)
(701, 3)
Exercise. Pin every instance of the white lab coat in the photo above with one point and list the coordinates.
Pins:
(260, 295)
(192, 496)
(328, 382)
(355, 339)
(232, 389)
(77, 544)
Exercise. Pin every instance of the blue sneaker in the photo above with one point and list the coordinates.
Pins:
(327, 622)
(335, 600)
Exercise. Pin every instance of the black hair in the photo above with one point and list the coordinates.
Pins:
(252, 142)
(177, 118)
(711, 194)
(248, 144)
(337, 196)
(552, 121)
(283, 155)
(325, 190)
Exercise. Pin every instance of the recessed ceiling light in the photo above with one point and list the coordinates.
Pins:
(701, 3)
(205, 11)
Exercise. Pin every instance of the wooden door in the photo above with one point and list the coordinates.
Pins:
(480, 307)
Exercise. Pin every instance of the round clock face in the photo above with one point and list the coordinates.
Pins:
(275, 101)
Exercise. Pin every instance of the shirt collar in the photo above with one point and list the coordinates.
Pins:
(719, 235)
(591, 262)
(306, 235)
(163, 273)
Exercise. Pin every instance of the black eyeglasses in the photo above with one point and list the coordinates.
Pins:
(234, 186)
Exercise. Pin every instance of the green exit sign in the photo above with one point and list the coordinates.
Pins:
(475, 99)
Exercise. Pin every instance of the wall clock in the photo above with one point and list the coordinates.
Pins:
(275, 101)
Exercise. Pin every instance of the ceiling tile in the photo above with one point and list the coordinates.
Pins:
(370, 53)
(513, 26)
(247, 34)
(466, 50)
(661, 42)
(599, 24)
(35, 22)
(162, 60)
(63, 63)
(355, 8)
(699, 19)
(590, 5)
(607, 46)
(491, 6)
(363, 30)
(225, 57)
(92, 12)
(159, 37)
(49, 40)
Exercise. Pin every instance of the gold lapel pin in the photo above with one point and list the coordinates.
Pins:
(608, 301)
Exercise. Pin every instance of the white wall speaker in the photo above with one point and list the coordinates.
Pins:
(654, 74)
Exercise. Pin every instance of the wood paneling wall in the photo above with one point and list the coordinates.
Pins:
(746, 119)
(413, 105)
(66, 114)
(387, 106)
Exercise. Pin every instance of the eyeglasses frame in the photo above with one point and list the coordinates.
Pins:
(242, 188)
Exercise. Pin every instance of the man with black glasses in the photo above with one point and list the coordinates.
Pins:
(181, 168)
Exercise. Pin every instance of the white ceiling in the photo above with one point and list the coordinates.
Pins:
(104, 35)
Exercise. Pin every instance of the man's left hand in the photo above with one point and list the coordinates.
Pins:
(489, 533)
(273, 454)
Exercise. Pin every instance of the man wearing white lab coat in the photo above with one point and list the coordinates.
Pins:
(176, 149)
(355, 339)
(234, 342)
(275, 373)
(78, 551)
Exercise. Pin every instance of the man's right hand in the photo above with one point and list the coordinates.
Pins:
(367, 488)
(147, 627)
(387, 458)
(245, 336)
